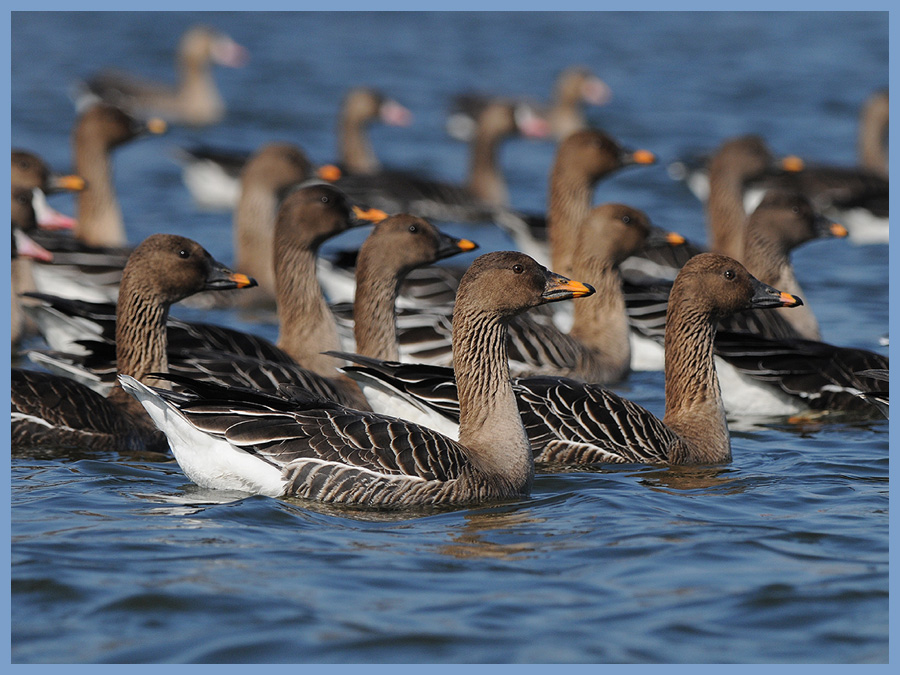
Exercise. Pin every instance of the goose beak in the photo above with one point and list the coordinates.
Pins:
(328, 172)
(837, 230)
(640, 157)
(394, 114)
(792, 163)
(71, 183)
(26, 247)
(222, 279)
(369, 215)
(765, 297)
(157, 125)
(451, 246)
(659, 236)
(559, 287)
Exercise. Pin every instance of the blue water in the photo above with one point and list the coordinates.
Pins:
(781, 555)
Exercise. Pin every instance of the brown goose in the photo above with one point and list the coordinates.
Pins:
(55, 411)
(361, 106)
(213, 175)
(780, 223)
(30, 171)
(313, 450)
(873, 128)
(194, 101)
(89, 265)
(736, 162)
(574, 87)
(573, 423)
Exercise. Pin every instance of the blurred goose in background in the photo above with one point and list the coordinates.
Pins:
(49, 410)
(193, 101)
(855, 196)
(88, 265)
(213, 175)
(30, 171)
(277, 446)
(575, 86)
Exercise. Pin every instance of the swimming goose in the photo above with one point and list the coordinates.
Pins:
(574, 87)
(194, 101)
(855, 196)
(212, 175)
(55, 411)
(278, 446)
(573, 423)
(30, 171)
(477, 200)
(780, 223)
(88, 265)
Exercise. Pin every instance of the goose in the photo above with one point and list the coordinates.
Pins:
(98, 131)
(30, 171)
(194, 101)
(781, 222)
(310, 449)
(855, 196)
(49, 410)
(88, 265)
(574, 87)
(579, 423)
(212, 175)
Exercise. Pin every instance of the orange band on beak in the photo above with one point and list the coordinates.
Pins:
(643, 157)
(329, 172)
(242, 280)
(369, 215)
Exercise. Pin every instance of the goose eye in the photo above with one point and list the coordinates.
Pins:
(184, 253)
(795, 209)
(325, 199)
(518, 269)
(729, 274)
(413, 229)
(626, 219)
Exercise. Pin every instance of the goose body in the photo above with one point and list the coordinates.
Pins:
(162, 270)
(193, 101)
(321, 451)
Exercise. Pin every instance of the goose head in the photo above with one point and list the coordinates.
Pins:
(410, 241)
(718, 286)
(595, 154)
(112, 126)
(170, 268)
(506, 283)
(311, 214)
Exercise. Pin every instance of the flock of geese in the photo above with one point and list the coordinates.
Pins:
(404, 383)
